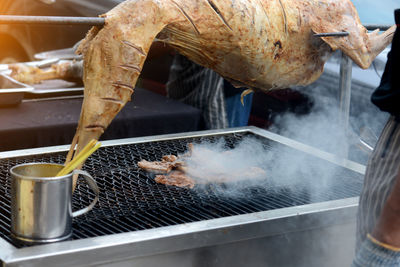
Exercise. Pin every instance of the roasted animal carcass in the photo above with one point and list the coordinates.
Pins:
(259, 44)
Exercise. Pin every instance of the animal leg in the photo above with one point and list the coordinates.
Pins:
(362, 47)
(113, 59)
(375, 45)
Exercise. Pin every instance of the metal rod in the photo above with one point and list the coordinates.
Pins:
(372, 27)
(95, 21)
(92, 21)
(331, 34)
(345, 96)
(369, 27)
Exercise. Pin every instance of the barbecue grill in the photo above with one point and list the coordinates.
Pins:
(138, 222)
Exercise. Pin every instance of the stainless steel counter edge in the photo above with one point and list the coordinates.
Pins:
(258, 131)
(183, 237)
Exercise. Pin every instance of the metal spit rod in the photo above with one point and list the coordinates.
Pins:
(91, 21)
(372, 27)
(95, 21)
(332, 34)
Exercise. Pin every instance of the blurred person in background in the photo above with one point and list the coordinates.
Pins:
(378, 222)
(206, 90)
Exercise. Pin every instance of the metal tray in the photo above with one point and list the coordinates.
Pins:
(54, 88)
(11, 91)
(67, 53)
(47, 88)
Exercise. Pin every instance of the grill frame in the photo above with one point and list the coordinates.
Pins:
(191, 235)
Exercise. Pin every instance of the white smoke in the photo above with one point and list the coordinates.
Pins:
(255, 164)
(229, 170)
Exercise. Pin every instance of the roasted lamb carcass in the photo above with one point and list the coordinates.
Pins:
(259, 44)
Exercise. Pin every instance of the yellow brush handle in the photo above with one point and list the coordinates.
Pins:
(81, 158)
(91, 144)
(84, 150)
(89, 149)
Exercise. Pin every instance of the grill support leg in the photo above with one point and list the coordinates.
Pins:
(344, 98)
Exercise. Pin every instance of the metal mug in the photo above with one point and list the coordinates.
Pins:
(41, 209)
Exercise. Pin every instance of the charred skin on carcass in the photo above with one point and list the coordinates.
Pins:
(260, 44)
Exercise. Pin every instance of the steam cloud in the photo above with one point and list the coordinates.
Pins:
(321, 128)
(284, 167)
(254, 164)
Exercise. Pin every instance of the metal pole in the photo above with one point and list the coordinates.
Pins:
(372, 27)
(345, 96)
(95, 21)
(92, 21)
(332, 34)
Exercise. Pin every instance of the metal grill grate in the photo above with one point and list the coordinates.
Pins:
(130, 200)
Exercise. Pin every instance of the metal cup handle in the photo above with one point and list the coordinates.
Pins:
(92, 184)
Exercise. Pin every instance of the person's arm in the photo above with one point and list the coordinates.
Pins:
(382, 247)
(387, 229)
